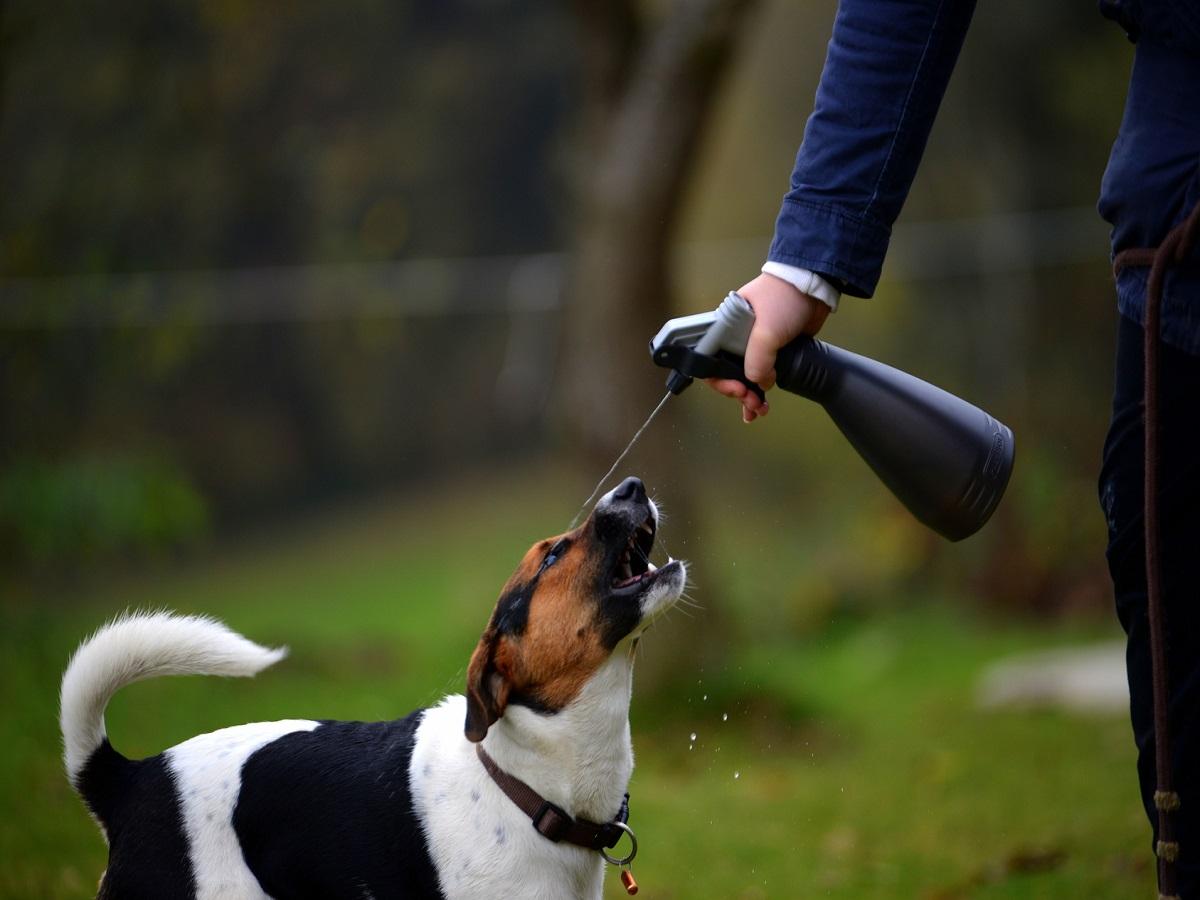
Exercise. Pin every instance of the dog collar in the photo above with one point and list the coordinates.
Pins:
(553, 822)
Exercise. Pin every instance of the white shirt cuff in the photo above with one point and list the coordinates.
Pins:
(806, 282)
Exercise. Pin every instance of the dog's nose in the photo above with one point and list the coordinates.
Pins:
(630, 490)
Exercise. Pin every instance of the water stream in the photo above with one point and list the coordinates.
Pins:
(607, 475)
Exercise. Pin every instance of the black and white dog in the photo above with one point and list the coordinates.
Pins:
(407, 808)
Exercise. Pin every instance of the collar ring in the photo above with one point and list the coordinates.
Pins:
(633, 849)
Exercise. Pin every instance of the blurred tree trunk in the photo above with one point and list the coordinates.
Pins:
(651, 82)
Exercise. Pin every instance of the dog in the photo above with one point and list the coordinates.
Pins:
(514, 789)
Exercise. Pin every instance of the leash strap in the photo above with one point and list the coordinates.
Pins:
(1172, 251)
(552, 821)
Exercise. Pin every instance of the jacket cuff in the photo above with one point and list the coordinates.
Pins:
(841, 248)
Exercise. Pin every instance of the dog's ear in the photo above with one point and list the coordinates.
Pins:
(487, 686)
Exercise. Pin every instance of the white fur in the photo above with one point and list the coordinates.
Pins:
(580, 759)
(208, 776)
(138, 646)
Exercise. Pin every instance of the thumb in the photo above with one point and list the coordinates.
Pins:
(760, 357)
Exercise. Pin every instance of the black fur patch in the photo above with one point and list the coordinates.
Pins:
(329, 813)
(138, 804)
(512, 610)
(618, 617)
(532, 702)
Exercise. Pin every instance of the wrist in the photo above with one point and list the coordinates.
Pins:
(805, 281)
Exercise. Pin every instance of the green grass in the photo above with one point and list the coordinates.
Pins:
(863, 770)
(852, 764)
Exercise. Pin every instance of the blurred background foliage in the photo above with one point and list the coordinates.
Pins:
(304, 252)
(266, 265)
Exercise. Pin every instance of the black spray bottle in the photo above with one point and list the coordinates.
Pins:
(946, 460)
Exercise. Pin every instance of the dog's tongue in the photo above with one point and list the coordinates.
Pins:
(636, 578)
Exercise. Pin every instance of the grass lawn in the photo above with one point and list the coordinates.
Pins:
(845, 762)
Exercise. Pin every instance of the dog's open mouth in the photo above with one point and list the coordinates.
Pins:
(633, 567)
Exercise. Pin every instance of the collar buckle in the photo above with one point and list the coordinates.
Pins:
(551, 821)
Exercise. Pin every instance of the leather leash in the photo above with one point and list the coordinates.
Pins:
(554, 823)
(1172, 251)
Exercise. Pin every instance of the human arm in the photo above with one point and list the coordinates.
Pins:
(885, 74)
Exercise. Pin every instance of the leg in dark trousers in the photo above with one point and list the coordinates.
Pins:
(1179, 539)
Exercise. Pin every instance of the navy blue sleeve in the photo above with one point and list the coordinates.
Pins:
(884, 78)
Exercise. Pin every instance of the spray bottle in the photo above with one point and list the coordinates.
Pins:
(946, 460)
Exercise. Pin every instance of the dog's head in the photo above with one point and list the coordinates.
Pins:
(572, 600)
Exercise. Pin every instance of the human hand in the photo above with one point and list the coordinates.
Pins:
(782, 312)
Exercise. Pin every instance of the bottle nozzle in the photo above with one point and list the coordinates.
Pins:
(677, 382)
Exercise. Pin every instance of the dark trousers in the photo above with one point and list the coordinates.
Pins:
(1179, 539)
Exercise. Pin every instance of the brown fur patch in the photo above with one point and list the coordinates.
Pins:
(560, 646)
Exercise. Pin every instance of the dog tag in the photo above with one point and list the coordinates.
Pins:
(627, 879)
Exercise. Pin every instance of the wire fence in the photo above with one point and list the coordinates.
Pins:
(519, 286)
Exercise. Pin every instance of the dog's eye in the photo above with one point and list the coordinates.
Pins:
(555, 552)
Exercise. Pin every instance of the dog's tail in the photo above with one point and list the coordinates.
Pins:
(131, 648)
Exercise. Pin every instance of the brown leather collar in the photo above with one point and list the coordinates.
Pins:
(552, 821)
